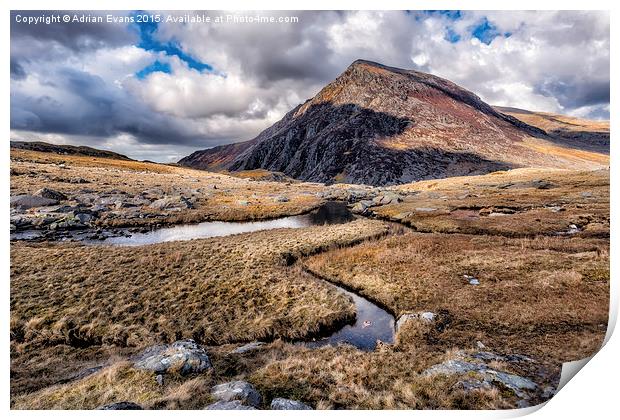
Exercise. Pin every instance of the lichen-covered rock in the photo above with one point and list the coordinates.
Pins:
(183, 356)
(229, 405)
(237, 390)
(286, 404)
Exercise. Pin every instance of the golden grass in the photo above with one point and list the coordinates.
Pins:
(544, 296)
(121, 382)
(507, 203)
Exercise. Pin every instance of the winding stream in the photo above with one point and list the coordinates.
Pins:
(371, 324)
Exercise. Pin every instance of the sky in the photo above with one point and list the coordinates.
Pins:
(161, 90)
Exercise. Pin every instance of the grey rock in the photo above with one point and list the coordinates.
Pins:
(184, 356)
(169, 203)
(122, 405)
(26, 201)
(84, 217)
(237, 390)
(387, 198)
(362, 207)
(425, 209)
(286, 404)
(426, 317)
(51, 194)
(160, 379)
(229, 405)
(282, 199)
(243, 202)
(248, 347)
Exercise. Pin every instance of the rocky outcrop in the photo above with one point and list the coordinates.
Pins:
(380, 125)
(240, 391)
(184, 357)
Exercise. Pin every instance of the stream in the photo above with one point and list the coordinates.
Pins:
(371, 324)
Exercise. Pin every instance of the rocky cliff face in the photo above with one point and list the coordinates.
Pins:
(380, 125)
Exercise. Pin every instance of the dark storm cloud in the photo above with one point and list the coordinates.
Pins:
(17, 71)
(96, 109)
(576, 93)
(76, 36)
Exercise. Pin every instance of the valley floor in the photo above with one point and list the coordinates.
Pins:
(513, 267)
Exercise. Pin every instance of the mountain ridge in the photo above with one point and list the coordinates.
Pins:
(381, 125)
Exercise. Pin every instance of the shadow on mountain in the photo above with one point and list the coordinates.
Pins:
(589, 141)
(330, 143)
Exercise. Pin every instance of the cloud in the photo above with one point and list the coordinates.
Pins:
(161, 91)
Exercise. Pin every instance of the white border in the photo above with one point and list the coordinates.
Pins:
(592, 394)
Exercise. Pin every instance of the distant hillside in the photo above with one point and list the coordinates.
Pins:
(570, 131)
(381, 125)
(39, 146)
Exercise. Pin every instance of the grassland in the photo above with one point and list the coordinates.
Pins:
(543, 292)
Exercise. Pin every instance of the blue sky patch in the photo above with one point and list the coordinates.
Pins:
(148, 42)
(156, 66)
(486, 32)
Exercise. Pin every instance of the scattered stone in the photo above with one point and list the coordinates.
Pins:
(586, 194)
(237, 390)
(169, 203)
(286, 404)
(122, 405)
(160, 379)
(472, 280)
(26, 201)
(229, 405)
(425, 209)
(362, 207)
(282, 199)
(480, 345)
(183, 356)
(51, 194)
(248, 347)
(243, 202)
(518, 384)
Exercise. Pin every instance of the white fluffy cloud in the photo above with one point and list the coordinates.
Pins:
(88, 92)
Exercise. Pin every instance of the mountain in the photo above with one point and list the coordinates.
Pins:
(382, 125)
(39, 146)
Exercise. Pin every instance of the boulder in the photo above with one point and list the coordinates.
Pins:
(237, 390)
(286, 404)
(361, 207)
(122, 405)
(51, 194)
(183, 356)
(387, 198)
(229, 405)
(168, 203)
(26, 201)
